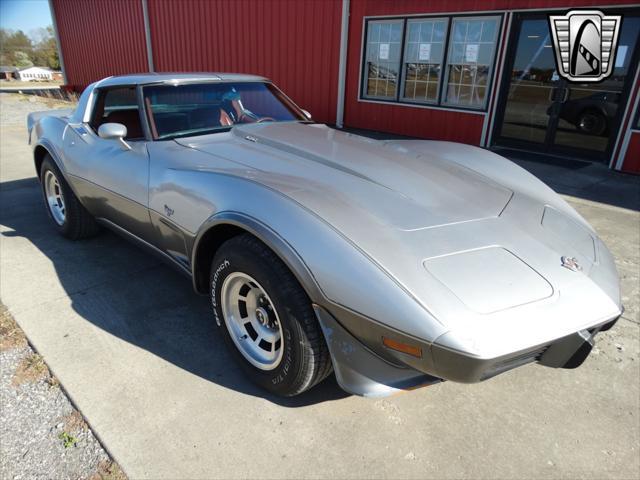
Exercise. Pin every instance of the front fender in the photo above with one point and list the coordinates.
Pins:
(266, 235)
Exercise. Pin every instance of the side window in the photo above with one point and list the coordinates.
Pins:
(384, 43)
(118, 105)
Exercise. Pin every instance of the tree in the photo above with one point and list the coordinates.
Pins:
(45, 48)
(22, 60)
(12, 42)
(17, 49)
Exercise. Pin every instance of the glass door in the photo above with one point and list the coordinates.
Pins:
(543, 112)
(532, 87)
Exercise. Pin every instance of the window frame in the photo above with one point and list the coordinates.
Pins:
(100, 91)
(445, 81)
(635, 124)
(439, 105)
(147, 113)
(365, 77)
(401, 97)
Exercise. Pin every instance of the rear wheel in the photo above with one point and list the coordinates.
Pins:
(69, 217)
(266, 318)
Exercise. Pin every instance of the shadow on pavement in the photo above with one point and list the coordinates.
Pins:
(135, 297)
(581, 179)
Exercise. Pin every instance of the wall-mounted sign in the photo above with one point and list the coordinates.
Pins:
(585, 42)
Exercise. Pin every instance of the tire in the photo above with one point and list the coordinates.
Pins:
(592, 122)
(242, 270)
(66, 212)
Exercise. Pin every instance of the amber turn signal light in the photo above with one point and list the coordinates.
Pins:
(402, 347)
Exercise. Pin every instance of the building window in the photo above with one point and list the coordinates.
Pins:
(470, 59)
(439, 61)
(423, 53)
(384, 39)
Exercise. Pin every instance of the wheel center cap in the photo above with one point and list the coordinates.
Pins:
(261, 315)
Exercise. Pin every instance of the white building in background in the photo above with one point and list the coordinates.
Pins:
(35, 74)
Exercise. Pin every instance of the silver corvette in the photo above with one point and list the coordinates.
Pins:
(393, 263)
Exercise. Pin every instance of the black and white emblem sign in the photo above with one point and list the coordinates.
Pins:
(585, 43)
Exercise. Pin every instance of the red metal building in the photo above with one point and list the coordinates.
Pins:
(474, 71)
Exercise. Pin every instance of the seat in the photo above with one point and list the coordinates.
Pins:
(128, 118)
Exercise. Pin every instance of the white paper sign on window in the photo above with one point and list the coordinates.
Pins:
(424, 51)
(384, 51)
(471, 54)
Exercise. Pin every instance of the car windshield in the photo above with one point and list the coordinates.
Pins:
(198, 109)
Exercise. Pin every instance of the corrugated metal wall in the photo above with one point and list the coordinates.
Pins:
(293, 42)
(100, 38)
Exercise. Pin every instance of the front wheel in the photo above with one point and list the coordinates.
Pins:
(266, 318)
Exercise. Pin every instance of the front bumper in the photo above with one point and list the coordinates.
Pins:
(362, 371)
(566, 352)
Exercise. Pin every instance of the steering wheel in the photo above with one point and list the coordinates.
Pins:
(265, 119)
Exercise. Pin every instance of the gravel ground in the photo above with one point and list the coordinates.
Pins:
(15, 113)
(41, 434)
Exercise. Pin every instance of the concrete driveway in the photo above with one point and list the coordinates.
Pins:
(137, 351)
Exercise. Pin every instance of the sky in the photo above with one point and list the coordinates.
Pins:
(25, 15)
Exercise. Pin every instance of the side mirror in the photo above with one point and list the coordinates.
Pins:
(306, 114)
(114, 131)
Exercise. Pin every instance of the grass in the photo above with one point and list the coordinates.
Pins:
(49, 101)
(11, 335)
(108, 470)
(17, 84)
(31, 369)
(74, 423)
(68, 440)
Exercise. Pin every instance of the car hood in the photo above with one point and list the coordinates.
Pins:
(464, 232)
(331, 170)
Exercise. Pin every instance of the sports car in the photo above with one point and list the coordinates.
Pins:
(394, 264)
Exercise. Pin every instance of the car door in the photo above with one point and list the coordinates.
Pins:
(111, 179)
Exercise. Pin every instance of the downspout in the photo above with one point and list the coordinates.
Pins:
(58, 44)
(147, 34)
(342, 67)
